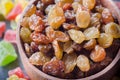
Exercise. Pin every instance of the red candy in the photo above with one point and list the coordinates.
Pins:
(10, 36)
(16, 10)
(2, 28)
(18, 71)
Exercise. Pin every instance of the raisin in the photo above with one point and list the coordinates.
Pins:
(83, 63)
(54, 67)
(98, 54)
(40, 38)
(107, 16)
(69, 15)
(36, 23)
(34, 47)
(67, 6)
(38, 58)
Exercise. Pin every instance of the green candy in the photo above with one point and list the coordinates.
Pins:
(7, 53)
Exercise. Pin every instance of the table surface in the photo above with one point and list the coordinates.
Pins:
(17, 63)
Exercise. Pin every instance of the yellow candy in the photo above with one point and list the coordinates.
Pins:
(6, 6)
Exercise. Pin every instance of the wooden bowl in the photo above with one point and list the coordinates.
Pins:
(36, 74)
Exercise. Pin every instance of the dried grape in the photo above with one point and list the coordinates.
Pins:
(56, 17)
(107, 16)
(54, 67)
(90, 44)
(91, 33)
(38, 58)
(60, 36)
(67, 47)
(89, 3)
(76, 36)
(30, 11)
(39, 38)
(64, 1)
(25, 34)
(95, 19)
(47, 10)
(57, 49)
(98, 54)
(105, 40)
(25, 22)
(75, 6)
(83, 63)
(50, 33)
(70, 62)
(36, 23)
(82, 18)
(113, 29)
(47, 2)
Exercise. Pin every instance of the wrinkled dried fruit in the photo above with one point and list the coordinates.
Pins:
(30, 11)
(76, 36)
(105, 40)
(91, 33)
(54, 67)
(47, 2)
(60, 36)
(56, 17)
(89, 3)
(70, 62)
(90, 44)
(36, 23)
(107, 16)
(98, 54)
(64, 1)
(50, 33)
(69, 26)
(82, 18)
(57, 49)
(27, 49)
(47, 10)
(83, 63)
(113, 29)
(38, 58)
(67, 47)
(75, 6)
(25, 34)
(67, 6)
(25, 22)
(45, 48)
(39, 38)
(95, 19)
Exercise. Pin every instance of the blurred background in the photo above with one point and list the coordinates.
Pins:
(10, 11)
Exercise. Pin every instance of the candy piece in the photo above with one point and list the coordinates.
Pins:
(2, 28)
(7, 53)
(10, 36)
(16, 11)
(19, 73)
(13, 77)
(6, 6)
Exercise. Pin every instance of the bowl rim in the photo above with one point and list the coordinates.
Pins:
(94, 76)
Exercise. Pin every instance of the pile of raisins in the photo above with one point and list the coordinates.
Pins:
(69, 38)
